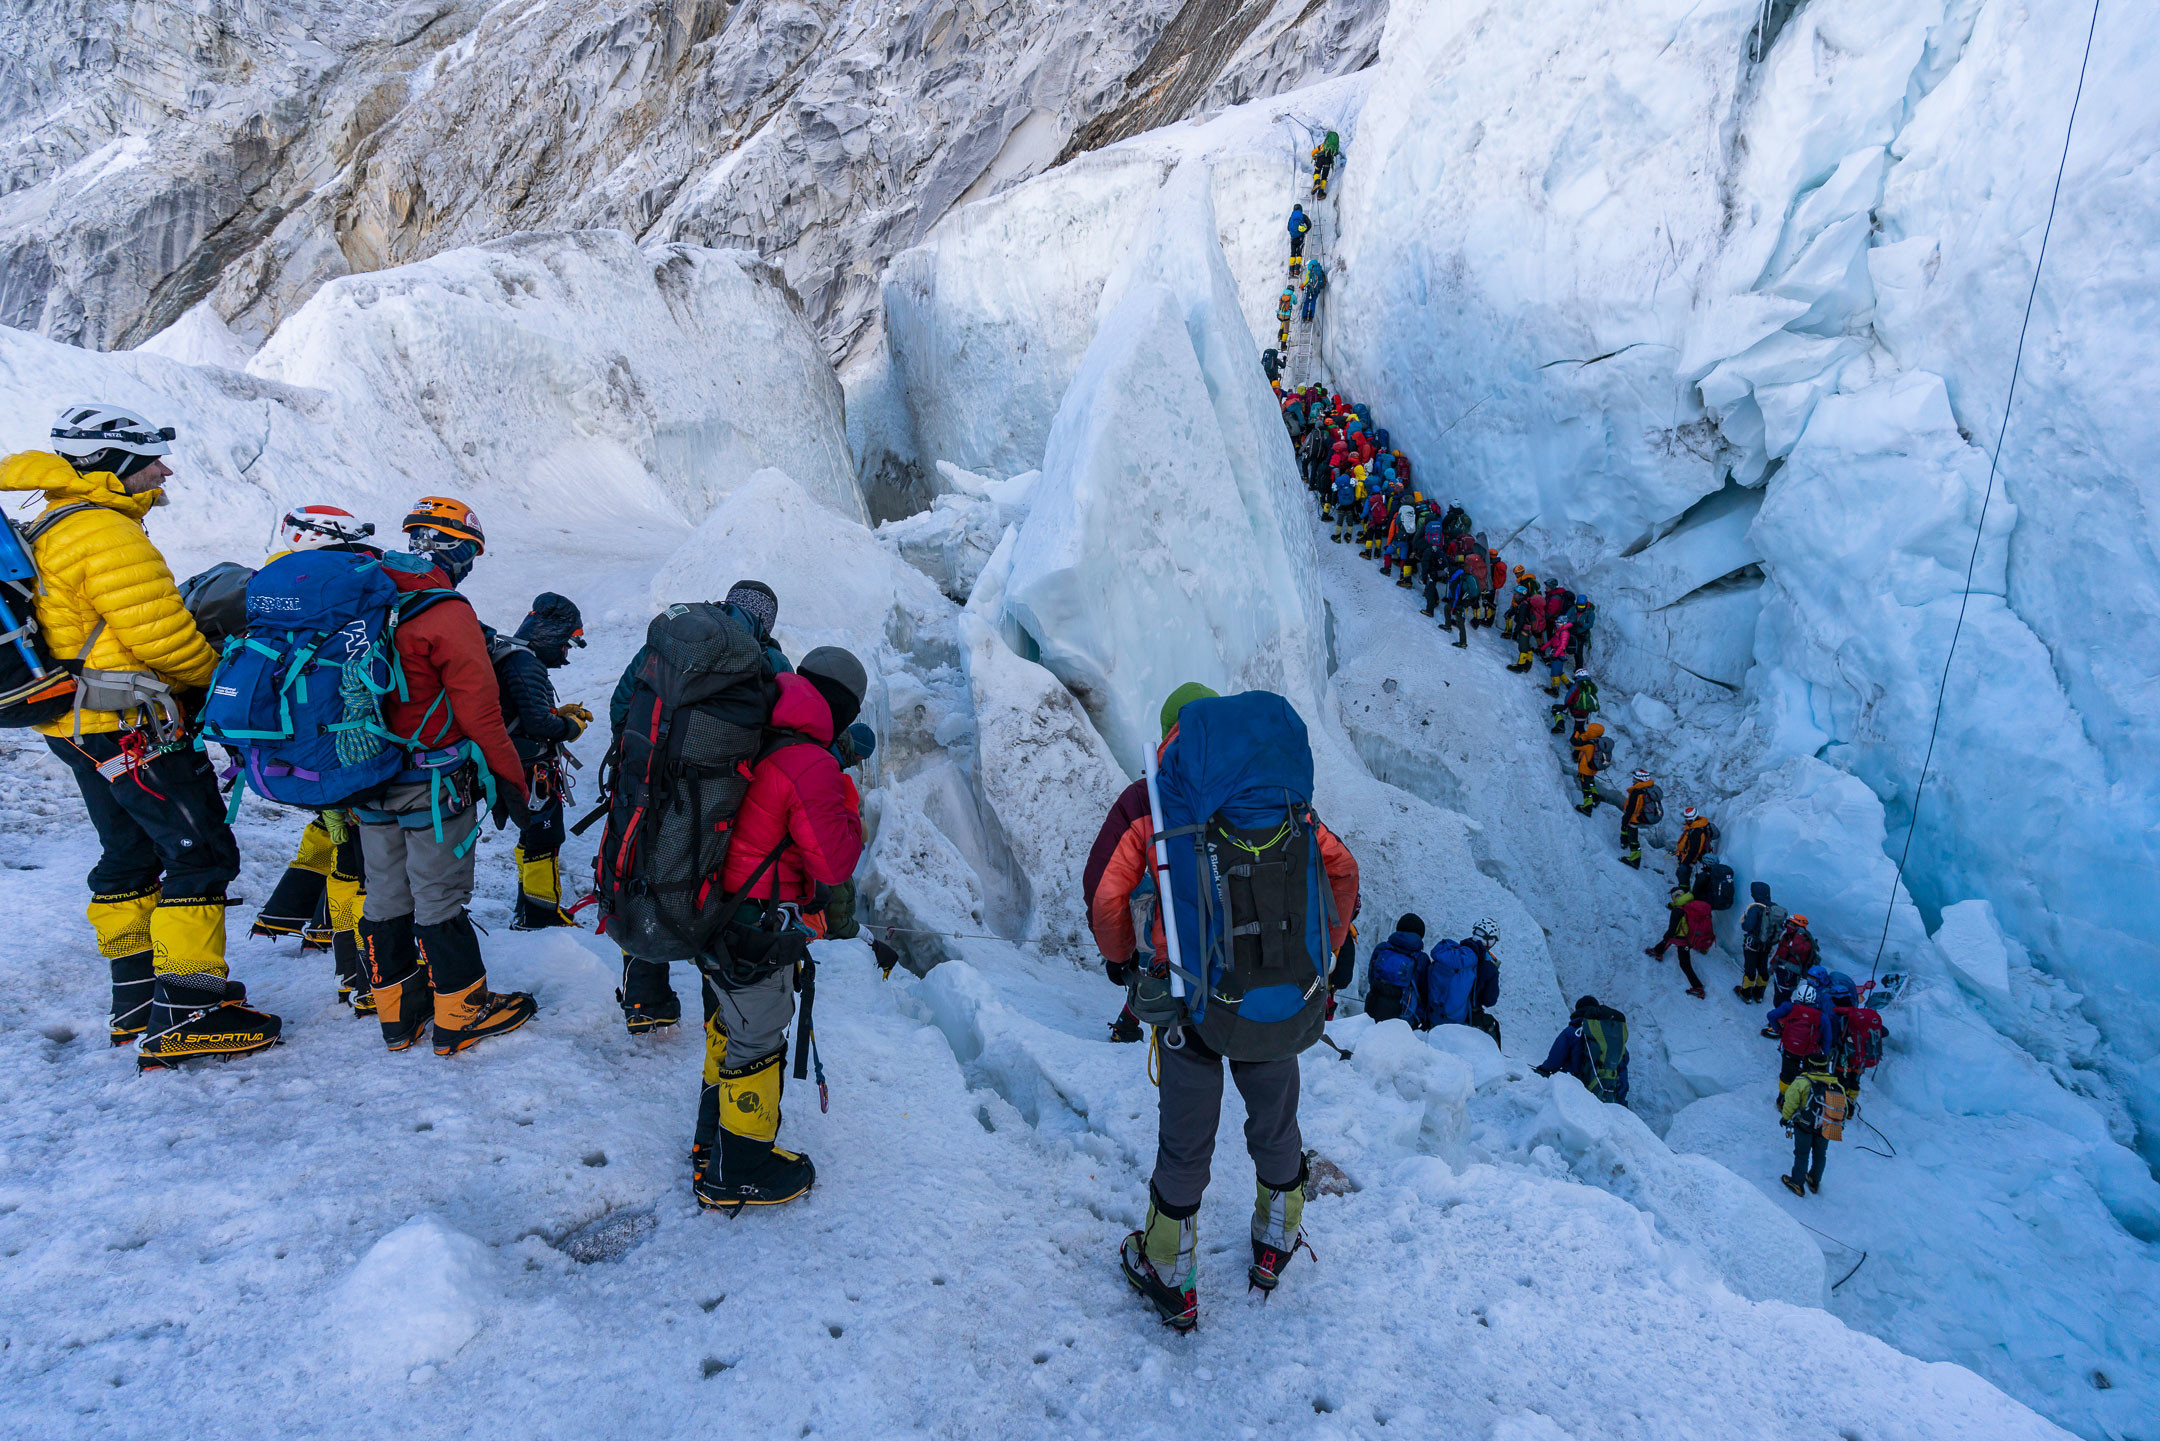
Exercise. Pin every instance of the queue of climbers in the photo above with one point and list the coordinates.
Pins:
(1368, 495)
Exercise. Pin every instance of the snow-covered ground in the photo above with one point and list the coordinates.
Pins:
(328, 1240)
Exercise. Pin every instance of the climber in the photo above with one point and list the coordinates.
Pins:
(1456, 521)
(1558, 648)
(1697, 839)
(1393, 973)
(106, 602)
(1271, 364)
(1585, 617)
(1578, 702)
(1324, 156)
(418, 832)
(1346, 486)
(540, 728)
(1284, 306)
(1806, 1027)
(1485, 991)
(1590, 758)
(1815, 1108)
(1298, 226)
(1248, 747)
(798, 834)
(1760, 926)
(1689, 928)
(1495, 581)
(1462, 599)
(318, 897)
(1592, 1047)
(1644, 806)
(1516, 625)
(1793, 954)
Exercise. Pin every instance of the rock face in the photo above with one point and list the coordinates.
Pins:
(152, 157)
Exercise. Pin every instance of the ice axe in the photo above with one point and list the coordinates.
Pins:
(1338, 1050)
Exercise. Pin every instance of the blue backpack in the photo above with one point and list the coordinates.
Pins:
(1396, 967)
(297, 697)
(1450, 977)
(1247, 892)
(1434, 536)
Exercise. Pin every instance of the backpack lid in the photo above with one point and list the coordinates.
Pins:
(317, 589)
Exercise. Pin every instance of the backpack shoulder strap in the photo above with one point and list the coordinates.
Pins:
(53, 517)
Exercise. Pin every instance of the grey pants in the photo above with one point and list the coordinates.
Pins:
(755, 1017)
(1190, 1108)
(409, 872)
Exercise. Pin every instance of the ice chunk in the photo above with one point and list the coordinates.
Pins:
(417, 1296)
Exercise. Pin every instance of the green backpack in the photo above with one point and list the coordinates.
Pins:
(1605, 1037)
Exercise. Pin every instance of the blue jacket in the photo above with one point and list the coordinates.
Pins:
(1571, 1053)
(1345, 489)
(1315, 277)
(1298, 223)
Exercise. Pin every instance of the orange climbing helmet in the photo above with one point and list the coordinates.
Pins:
(453, 518)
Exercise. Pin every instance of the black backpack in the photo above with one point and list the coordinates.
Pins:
(1714, 883)
(1601, 754)
(217, 599)
(1653, 807)
(674, 778)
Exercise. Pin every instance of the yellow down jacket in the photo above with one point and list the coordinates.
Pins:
(99, 564)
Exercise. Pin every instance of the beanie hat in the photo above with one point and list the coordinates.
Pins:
(840, 678)
(755, 599)
(1410, 921)
(1183, 696)
(1584, 1005)
(1760, 890)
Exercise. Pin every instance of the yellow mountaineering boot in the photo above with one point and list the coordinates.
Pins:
(194, 1011)
(753, 1171)
(299, 891)
(1278, 1212)
(539, 902)
(122, 923)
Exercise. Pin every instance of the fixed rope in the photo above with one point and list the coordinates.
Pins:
(2017, 361)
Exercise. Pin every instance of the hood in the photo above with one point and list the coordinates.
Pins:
(1759, 891)
(41, 470)
(1406, 941)
(800, 708)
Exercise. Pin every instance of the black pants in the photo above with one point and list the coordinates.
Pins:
(1459, 622)
(1782, 983)
(160, 826)
(1809, 1151)
(1297, 246)
(1754, 969)
(1684, 875)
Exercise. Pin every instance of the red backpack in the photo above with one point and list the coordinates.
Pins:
(1860, 1048)
(1800, 1033)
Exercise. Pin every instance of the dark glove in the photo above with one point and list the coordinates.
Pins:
(886, 957)
(819, 899)
(1119, 972)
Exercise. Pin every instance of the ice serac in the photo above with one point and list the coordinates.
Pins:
(577, 364)
(1167, 539)
(1695, 274)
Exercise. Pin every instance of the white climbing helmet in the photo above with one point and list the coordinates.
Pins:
(311, 527)
(1644, 776)
(1487, 931)
(1688, 814)
(89, 428)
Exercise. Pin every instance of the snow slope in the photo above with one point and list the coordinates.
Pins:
(330, 1240)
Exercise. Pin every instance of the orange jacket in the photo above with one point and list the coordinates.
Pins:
(1110, 909)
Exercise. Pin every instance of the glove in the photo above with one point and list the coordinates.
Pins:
(819, 900)
(578, 717)
(1119, 972)
(886, 956)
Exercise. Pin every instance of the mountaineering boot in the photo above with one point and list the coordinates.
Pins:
(121, 920)
(1793, 1186)
(1632, 858)
(132, 984)
(352, 981)
(1277, 1212)
(1162, 1262)
(466, 1011)
(293, 903)
(753, 1171)
(539, 902)
(398, 983)
(648, 1002)
(199, 1015)
(705, 1138)
(1425, 611)
(1126, 1028)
